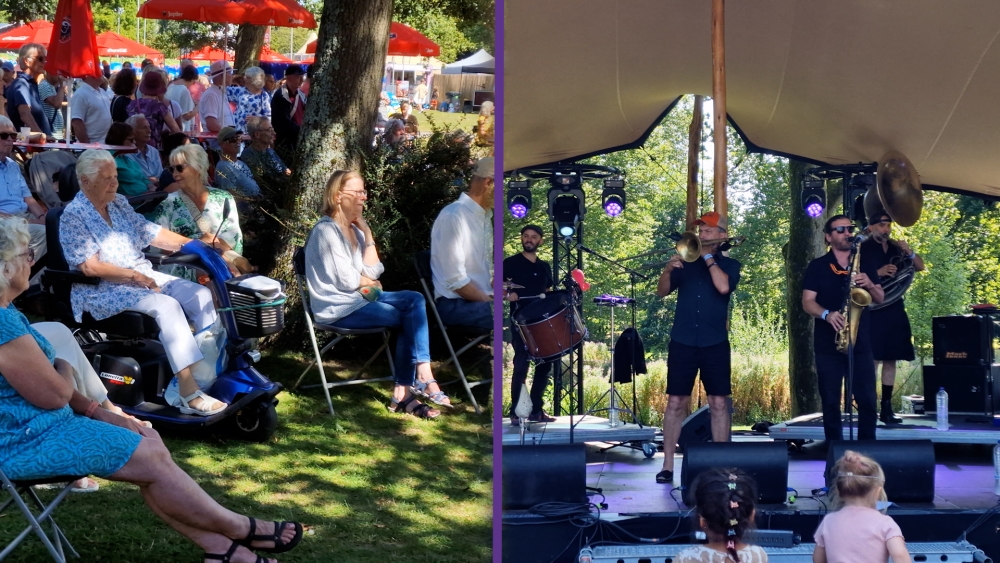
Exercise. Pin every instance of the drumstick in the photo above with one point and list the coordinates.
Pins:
(539, 296)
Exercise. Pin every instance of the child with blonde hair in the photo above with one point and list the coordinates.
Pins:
(857, 532)
(724, 500)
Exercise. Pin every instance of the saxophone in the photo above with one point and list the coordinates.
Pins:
(855, 305)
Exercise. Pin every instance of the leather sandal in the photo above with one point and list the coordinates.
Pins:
(419, 410)
(279, 545)
(227, 557)
(207, 407)
(438, 397)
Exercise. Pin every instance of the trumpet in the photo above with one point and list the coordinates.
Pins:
(689, 247)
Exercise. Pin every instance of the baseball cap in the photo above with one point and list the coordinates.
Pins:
(535, 228)
(294, 69)
(218, 67)
(484, 168)
(712, 219)
(227, 133)
(7, 65)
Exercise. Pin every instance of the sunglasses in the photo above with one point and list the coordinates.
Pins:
(233, 140)
(5, 136)
(30, 254)
(843, 228)
(41, 58)
(177, 168)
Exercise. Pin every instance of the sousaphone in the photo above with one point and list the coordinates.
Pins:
(897, 192)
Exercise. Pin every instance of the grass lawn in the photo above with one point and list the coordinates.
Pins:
(368, 485)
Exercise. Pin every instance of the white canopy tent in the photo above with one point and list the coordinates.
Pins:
(481, 59)
(827, 82)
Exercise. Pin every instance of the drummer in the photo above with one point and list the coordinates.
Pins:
(530, 277)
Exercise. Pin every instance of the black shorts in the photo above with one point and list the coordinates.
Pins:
(684, 362)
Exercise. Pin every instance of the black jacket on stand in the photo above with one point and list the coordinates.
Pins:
(630, 356)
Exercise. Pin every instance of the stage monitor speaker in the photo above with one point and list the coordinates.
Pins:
(908, 466)
(543, 473)
(766, 462)
(963, 340)
(697, 427)
(971, 389)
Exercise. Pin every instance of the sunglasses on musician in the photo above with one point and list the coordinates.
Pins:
(849, 229)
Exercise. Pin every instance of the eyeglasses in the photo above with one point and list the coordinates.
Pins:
(841, 229)
(358, 193)
(177, 168)
(30, 254)
(232, 140)
(7, 136)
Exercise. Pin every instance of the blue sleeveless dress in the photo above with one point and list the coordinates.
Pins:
(37, 443)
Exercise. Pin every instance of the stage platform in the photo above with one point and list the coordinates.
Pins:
(585, 429)
(635, 505)
(963, 429)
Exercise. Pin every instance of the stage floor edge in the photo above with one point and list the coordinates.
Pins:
(585, 429)
(963, 429)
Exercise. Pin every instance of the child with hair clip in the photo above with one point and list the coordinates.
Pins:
(724, 500)
(857, 532)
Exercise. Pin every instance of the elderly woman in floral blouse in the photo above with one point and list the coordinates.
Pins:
(196, 211)
(103, 237)
(251, 98)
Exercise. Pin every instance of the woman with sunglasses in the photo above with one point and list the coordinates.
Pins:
(132, 181)
(48, 429)
(342, 271)
(196, 211)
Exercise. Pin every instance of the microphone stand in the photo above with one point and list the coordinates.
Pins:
(633, 274)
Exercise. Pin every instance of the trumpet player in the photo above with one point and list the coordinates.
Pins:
(825, 289)
(699, 340)
(891, 336)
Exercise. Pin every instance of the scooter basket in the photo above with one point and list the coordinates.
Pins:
(255, 317)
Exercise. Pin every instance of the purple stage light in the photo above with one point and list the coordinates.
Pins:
(613, 208)
(814, 210)
(518, 210)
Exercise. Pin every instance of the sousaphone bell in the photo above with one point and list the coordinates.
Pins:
(897, 190)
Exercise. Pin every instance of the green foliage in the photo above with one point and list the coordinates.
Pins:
(21, 12)
(460, 27)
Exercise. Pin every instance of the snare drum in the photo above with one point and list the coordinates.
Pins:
(549, 326)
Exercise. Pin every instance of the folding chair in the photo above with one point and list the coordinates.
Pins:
(21, 491)
(422, 261)
(299, 264)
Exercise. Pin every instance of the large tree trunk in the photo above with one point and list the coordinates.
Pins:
(339, 120)
(805, 242)
(249, 41)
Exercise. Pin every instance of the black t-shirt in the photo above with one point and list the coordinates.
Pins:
(871, 252)
(536, 277)
(825, 276)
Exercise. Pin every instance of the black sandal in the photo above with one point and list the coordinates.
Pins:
(279, 545)
(228, 556)
(421, 410)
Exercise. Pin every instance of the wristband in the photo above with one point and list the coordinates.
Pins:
(89, 413)
(826, 312)
(714, 264)
(912, 255)
(707, 256)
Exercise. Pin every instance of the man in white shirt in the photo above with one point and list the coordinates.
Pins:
(90, 111)
(15, 198)
(462, 254)
(214, 105)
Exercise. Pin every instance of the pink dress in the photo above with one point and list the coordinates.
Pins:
(856, 534)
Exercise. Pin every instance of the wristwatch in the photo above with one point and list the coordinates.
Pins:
(826, 312)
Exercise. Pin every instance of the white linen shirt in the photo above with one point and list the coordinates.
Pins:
(214, 104)
(334, 270)
(462, 248)
(91, 106)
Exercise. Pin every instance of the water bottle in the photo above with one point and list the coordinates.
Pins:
(996, 469)
(942, 409)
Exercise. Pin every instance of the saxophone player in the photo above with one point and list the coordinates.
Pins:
(824, 294)
(891, 337)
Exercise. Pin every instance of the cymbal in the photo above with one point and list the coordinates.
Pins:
(899, 188)
(507, 285)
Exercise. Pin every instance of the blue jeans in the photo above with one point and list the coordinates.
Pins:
(407, 311)
(459, 312)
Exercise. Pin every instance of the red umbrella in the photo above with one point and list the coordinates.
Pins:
(208, 54)
(72, 49)
(35, 32)
(269, 56)
(403, 41)
(282, 13)
(110, 44)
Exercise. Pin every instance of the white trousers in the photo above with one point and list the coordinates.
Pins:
(85, 379)
(176, 303)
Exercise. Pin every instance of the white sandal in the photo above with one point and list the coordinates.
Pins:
(204, 408)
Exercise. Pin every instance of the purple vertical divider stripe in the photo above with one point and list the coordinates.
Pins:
(498, 211)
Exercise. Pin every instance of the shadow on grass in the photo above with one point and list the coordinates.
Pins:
(368, 484)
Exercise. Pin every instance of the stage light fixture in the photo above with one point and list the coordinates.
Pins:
(813, 196)
(613, 197)
(518, 198)
(567, 203)
(854, 197)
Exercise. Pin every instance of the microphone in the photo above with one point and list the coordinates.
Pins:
(858, 238)
(226, 210)
(578, 277)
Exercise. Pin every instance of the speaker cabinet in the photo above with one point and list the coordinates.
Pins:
(766, 462)
(543, 473)
(697, 427)
(971, 389)
(908, 466)
(963, 340)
